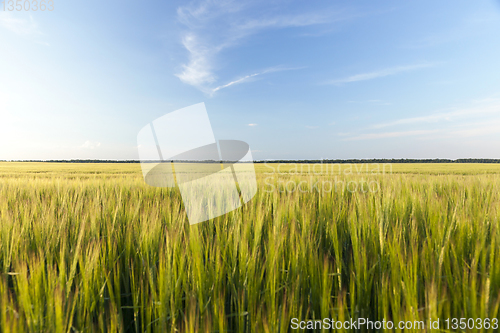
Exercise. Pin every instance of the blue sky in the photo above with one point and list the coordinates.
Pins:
(294, 79)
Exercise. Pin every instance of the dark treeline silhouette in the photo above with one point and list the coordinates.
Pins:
(331, 161)
(386, 160)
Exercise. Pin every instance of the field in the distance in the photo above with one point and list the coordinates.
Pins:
(91, 247)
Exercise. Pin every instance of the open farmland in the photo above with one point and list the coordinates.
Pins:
(91, 247)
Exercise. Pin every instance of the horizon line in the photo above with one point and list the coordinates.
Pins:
(323, 160)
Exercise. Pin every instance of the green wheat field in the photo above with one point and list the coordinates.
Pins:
(92, 248)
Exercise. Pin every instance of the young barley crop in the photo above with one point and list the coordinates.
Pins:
(93, 248)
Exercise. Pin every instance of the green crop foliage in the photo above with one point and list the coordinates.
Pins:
(92, 248)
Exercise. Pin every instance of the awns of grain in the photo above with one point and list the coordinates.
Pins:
(92, 248)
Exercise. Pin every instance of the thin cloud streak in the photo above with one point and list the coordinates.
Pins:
(22, 27)
(215, 26)
(457, 124)
(90, 145)
(371, 101)
(243, 79)
(447, 116)
(246, 78)
(371, 136)
(476, 130)
(486, 129)
(381, 73)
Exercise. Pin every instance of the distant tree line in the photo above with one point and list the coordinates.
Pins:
(386, 160)
(330, 161)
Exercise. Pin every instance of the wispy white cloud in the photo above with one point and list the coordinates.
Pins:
(478, 23)
(90, 145)
(480, 109)
(284, 21)
(380, 73)
(478, 130)
(252, 125)
(457, 132)
(248, 77)
(371, 136)
(442, 83)
(213, 26)
(482, 118)
(198, 71)
(19, 26)
(243, 79)
(371, 101)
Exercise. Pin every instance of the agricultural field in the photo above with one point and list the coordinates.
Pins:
(91, 247)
